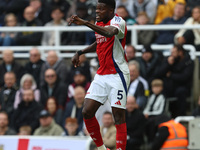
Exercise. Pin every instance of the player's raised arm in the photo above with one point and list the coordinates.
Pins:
(101, 15)
(90, 48)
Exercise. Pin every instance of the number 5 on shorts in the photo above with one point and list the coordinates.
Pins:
(120, 96)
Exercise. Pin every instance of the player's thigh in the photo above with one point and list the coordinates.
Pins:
(97, 91)
(118, 91)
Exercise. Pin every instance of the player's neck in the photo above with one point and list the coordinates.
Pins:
(108, 19)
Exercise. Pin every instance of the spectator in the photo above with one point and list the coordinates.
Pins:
(155, 107)
(190, 5)
(90, 35)
(108, 131)
(42, 10)
(77, 38)
(166, 9)
(145, 37)
(138, 85)
(130, 52)
(84, 66)
(123, 12)
(27, 82)
(144, 6)
(57, 64)
(9, 64)
(63, 4)
(102, 109)
(167, 37)
(135, 122)
(156, 102)
(71, 126)
(49, 36)
(79, 80)
(190, 36)
(12, 6)
(196, 111)
(128, 4)
(4, 127)
(53, 108)
(29, 38)
(53, 87)
(27, 112)
(34, 65)
(74, 107)
(8, 38)
(48, 127)
(170, 135)
(94, 65)
(7, 94)
(25, 130)
(177, 72)
(90, 6)
(149, 62)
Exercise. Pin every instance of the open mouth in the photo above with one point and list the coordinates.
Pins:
(97, 17)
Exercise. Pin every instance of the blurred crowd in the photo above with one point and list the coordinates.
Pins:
(45, 97)
(134, 12)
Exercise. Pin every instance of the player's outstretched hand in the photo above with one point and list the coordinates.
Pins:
(75, 60)
(75, 19)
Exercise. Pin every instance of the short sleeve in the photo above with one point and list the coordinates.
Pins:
(120, 24)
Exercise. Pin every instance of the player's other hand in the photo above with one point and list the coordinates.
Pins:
(75, 60)
(75, 19)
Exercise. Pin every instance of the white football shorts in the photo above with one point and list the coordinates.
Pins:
(112, 87)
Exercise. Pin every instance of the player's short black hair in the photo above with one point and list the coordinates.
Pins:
(110, 3)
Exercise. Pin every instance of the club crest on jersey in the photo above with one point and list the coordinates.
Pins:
(117, 19)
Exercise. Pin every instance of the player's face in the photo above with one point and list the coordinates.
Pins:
(102, 12)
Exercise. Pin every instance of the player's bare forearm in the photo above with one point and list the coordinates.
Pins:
(90, 48)
(105, 31)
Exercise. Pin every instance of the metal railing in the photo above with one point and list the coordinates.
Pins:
(70, 49)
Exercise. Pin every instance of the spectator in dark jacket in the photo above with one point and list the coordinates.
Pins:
(177, 72)
(196, 111)
(77, 38)
(27, 112)
(148, 63)
(42, 10)
(190, 5)
(53, 87)
(34, 65)
(9, 64)
(135, 122)
(130, 52)
(4, 128)
(29, 38)
(84, 66)
(53, 108)
(57, 64)
(167, 37)
(12, 6)
(79, 80)
(138, 87)
(74, 107)
(7, 94)
(63, 4)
